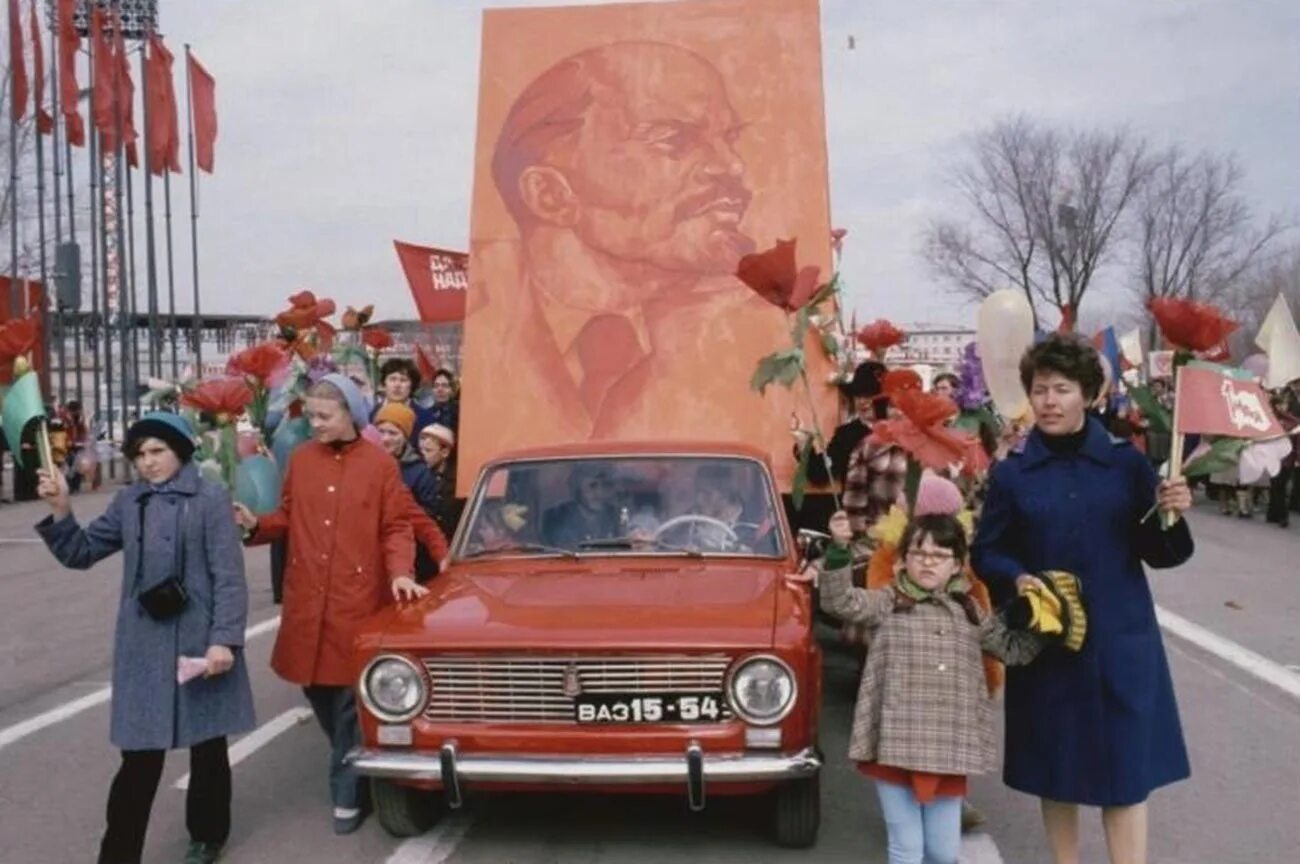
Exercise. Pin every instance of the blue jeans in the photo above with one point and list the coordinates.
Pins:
(920, 833)
(336, 711)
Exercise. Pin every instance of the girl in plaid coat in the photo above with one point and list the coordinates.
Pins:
(924, 717)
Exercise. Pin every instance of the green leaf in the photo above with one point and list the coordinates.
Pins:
(782, 368)
(802, 324)
(830, 345)
(825, 292)
(800, 485)
(1223, 455)
(1157, 415)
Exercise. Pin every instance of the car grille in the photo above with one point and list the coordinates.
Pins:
(531, 690)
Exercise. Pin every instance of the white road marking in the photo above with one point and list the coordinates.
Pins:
(979, 848)
(436, 845)
(32, 725)
(1240, 656)
(4, 540)
(257, 739)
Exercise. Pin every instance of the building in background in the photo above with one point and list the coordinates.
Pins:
(936, 345)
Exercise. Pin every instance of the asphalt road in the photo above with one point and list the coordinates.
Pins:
(1241, 805)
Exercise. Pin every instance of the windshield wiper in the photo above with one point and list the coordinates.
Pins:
(524, 547)
(633, 542)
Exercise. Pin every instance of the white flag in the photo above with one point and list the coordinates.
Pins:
(1130, 346)
(1278, 339)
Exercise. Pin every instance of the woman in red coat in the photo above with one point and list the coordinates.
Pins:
(336, 578)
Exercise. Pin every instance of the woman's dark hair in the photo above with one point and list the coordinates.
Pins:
(405, 367)
(1069, 355)
(943, 530)
(951, 377)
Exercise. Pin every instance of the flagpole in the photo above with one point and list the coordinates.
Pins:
(125, 325)
(151, 262)
(171, 270)
(194, 215)
(15, 295)
(40, 238)
(59, 321)
(96, 211)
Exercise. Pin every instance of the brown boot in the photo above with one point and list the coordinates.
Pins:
(970, 818)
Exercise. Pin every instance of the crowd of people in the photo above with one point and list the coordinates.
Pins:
(1038, 563)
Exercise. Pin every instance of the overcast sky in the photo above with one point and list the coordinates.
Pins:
(345, 125)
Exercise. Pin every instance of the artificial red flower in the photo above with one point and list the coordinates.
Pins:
(306, 315)
(879, 336)
(376, 338)
(223, 398)
(896, 382)
(1190, 325)
(921, 429)
(428, 366)
(263, 362)
(837, 238)
(18, 336)
(774, 275)
(355, 319)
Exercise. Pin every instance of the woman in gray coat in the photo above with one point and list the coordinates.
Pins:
(170, 522)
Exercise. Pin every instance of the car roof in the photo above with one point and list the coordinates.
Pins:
(615, 449)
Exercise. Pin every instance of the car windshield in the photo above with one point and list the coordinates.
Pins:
(664, 505)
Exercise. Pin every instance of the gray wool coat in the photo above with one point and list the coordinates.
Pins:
(150, 710)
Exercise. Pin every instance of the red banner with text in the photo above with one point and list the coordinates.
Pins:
(438, 280)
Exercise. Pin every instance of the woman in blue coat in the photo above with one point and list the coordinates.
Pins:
(169, 522)
(1099, 727)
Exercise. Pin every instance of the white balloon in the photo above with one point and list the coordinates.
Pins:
(1004, 331)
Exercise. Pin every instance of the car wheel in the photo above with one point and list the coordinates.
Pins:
(798, 812)
(405, 811)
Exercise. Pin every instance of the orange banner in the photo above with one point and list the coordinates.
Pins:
(628, 155)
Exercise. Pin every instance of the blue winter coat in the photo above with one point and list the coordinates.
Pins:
(1099, 727)
(150, 711)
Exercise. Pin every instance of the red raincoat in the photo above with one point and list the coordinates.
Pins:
(345, 511)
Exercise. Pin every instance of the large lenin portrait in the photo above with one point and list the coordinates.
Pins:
(628, 156)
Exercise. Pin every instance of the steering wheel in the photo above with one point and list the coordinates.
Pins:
(697, 519)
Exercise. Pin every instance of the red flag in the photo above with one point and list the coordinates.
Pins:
(125, 93)
(438, 281)
(44, 122)
(163, 134)
(102, 98)
(203, 104)
(1215, 400)
(18, 82)
(69, 91)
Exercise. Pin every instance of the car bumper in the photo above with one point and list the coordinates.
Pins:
(692, 765)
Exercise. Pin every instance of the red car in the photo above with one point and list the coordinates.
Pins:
(614, 619)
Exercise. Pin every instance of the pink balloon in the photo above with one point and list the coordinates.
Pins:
(1257, 365)
(248, 444)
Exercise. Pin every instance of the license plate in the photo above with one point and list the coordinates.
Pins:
(648, 708)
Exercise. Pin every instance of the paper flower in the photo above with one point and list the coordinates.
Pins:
(774, 275)
(837, 239)
(305, 319)
(355, 319)
(921, 429)
(879, 336)
(224, 399)
(376, 338)
(1190, 325)
(262, 362)
(973, 393)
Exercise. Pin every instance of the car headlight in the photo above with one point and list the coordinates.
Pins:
(393, 688)
(762, 690)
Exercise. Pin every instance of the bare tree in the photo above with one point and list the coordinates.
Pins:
(1196, 236)
(1042, 207)
(1251, 297)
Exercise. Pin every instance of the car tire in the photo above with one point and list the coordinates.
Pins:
(405, 811)
(798, 813)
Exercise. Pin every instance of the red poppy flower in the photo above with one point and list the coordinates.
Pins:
(837, 238)
(879, 336)
(263, 362)
(923, 432)
(1190, 325)
(303, 324)
(775, 276)
(376, 338)
(355, 319)
(18, 336)
(896, 382)
(223, 398)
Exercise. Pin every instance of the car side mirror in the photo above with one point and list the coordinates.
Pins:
(811, 543)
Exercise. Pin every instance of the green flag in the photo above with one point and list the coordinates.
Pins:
(22, 404)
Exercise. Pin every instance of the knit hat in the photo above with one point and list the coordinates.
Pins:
(442, 433)
(398, 414)
(937, 495)
(357, 406)
(1055, 612)
(171, 429)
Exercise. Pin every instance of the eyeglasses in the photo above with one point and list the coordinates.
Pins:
(923, 557)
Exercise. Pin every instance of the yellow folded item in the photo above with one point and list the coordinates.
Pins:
(1057, 609)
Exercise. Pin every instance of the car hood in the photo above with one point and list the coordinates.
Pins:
(694, 606)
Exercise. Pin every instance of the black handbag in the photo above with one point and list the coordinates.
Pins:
(168, 598)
